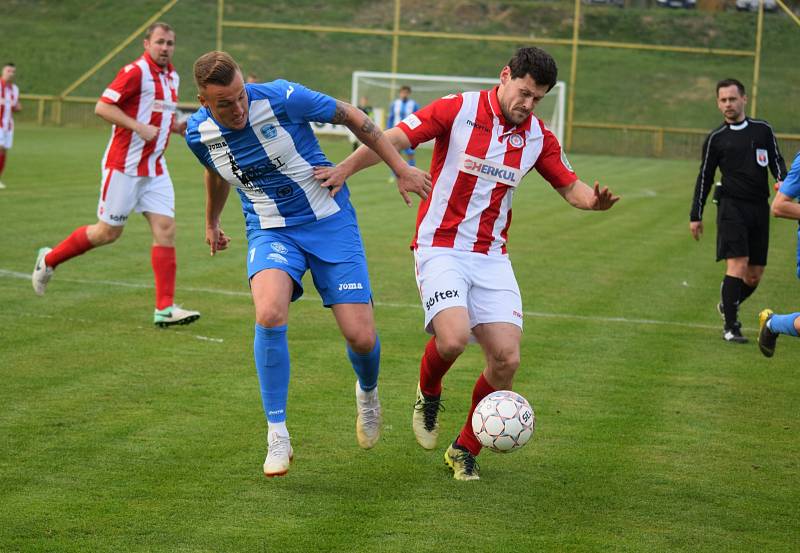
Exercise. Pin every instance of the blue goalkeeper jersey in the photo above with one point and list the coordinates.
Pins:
(270, 160)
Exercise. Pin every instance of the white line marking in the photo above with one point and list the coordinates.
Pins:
(87, 321)
(539, 314)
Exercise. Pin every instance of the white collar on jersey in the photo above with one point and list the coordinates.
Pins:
(738, 126)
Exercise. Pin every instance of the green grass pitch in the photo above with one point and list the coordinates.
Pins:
(652, 433)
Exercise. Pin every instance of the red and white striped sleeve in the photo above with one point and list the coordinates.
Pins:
(432, 121)
(552, 164)
(125, 85)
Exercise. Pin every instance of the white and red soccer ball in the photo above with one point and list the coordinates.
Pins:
(503, 421)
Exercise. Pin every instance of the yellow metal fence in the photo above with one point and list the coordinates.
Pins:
(581, 136)
(588, 137)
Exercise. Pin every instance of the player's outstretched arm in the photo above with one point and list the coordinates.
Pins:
(216, 195)
(784, 206)
(581, 195)
(377, 146)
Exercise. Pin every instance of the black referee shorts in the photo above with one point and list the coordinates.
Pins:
(743, 230)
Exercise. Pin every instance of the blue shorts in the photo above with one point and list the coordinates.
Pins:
(331, 248)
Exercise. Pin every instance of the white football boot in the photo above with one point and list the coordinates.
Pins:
(279, 455)
(174, 315)
(41, 272)
(368, 419)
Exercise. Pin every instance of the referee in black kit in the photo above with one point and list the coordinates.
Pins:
(743, 149)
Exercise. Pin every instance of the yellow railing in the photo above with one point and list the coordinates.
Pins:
(61, 109)
(647, 140)
(575, 42)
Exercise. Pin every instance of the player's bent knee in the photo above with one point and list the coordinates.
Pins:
(363, 342)
(451, 346)
(102, 234)
(506, 362)
(269, 317)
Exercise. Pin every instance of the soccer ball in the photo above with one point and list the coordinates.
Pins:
(503, 421)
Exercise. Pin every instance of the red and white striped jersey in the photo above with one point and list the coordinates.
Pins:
(478, 161)
(9, 97)
(149, 94)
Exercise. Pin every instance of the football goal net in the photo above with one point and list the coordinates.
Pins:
(378, 90)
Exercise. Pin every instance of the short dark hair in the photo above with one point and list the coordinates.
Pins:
(725, 83)
(158, 25)
(10, 64)
(406, 87)
(535, 62)
(215, 67)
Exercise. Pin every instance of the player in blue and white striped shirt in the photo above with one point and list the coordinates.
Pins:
(771, 325)
(402, 107)
(257, 138)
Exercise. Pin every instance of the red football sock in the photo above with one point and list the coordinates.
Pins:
(467, 437)
(2, 161)
(72, 246)
(432, 369)
(164, 269)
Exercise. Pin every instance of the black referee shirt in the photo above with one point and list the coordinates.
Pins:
(743, 152)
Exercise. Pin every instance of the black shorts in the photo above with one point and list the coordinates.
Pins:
(743, 230)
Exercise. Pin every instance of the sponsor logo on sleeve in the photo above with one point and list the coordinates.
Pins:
(565, 161)
(412, 121)
(491, 170)
(112, 95)
(761, 157)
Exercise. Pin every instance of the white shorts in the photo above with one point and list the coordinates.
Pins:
(484, 284)
(120, 194)
(6, 139)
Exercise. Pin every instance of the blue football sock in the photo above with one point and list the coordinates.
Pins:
(783, 324)
(366, 365)
(271, 351)
(412, 162)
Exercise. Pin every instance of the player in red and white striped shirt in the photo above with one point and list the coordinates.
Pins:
(141, 104)
(9, 103)
(486, 142)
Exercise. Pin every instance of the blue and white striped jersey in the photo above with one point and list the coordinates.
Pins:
(791, 184)
(399, 110)
(270, 160)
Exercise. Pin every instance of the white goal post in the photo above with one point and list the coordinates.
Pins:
(379, 89)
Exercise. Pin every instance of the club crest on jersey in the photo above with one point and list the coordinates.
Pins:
(516, 141)
(491, 170)
(761, 157)
(269, 131)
